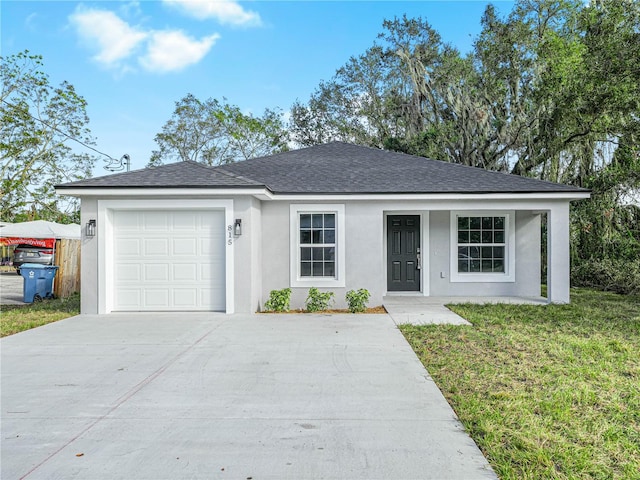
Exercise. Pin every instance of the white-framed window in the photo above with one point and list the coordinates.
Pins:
(317, 245)
(483, 246)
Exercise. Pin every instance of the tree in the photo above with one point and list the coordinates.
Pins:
(38, 122)
(214, 133)
(551, 91)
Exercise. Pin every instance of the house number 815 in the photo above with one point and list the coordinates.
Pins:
(229, 234)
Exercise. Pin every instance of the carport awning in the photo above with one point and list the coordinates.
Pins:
(36, 242)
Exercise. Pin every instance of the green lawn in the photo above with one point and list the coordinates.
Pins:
(14, 319)
(545, 391)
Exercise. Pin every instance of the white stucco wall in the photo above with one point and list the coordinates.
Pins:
(527, 255)
(246, 251)
(366, 251)
(261, 255)
(89, 259)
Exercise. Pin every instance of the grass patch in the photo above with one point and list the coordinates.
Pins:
(545, 391)
(18, 318)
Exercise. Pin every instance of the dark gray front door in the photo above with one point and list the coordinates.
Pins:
(403, 253)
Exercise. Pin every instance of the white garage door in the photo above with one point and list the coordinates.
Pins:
(169, 260)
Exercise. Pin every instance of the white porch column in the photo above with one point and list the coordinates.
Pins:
(558, 256)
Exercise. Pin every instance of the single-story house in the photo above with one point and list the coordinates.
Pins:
(186, 236)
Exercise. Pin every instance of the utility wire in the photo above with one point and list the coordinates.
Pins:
(61, 132)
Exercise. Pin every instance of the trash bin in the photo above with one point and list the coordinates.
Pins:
(38, 281)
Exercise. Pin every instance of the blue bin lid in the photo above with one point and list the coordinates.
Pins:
(37, 266)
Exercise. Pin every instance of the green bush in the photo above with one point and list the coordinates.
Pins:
(619, 276)
(317, 301)
(357, 300)
(278, 300)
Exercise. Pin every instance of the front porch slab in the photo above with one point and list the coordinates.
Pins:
(419, 310)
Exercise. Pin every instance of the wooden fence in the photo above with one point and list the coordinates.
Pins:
(67, 258)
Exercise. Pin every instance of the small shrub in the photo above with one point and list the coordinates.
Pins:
(357, 300)
(278, 300)
(317, 301)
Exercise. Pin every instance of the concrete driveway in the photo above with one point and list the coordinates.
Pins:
(213, 396)
(11, 288)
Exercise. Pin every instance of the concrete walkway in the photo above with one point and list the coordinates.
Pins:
(213, 396)
(420, 310)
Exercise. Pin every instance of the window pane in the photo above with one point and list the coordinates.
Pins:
(305, 253)
(486, 252)
(329, 253)
(475, 265)
(329, 269)
(317, 269)
(498, 266)
(305, 269)
(316, 221)
(305, 236)
(474, 252)
(487, 237)
(498, 223)
(498, 237)
(305, 220)
(317, 236)
(498, 252)
(487, 223)
(329, 236)
(463, 266)
(317, 254)
(474, 223)
(463, 223)
(487, 266)
(474, 237)
(463, 237)
(329, 220)
(463, 252)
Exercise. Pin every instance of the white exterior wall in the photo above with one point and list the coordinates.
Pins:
(365, 246)
(89, 259)
(527, 265)
(245, 258)
(261, 255)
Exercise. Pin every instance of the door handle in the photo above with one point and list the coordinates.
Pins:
(418, 266)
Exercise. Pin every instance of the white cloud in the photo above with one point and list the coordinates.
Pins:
(170, 51)
(114, 39)
(225, 11)
(119, 45)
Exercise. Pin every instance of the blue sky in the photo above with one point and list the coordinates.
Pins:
(132, 60)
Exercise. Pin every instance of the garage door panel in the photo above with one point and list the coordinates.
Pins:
(157, 298)
(185, 297)
(128, 298)
(208, 295)
(156, 273)
(185, 272)
(156, 246)
(188, 222)
(127, 272)
(128, 247)
(184, 246)
(155, 221)
(170, 260)
(127, 221)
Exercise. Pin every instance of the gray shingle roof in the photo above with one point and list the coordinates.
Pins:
(181, 174)
(339, 167)
(332, 168)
